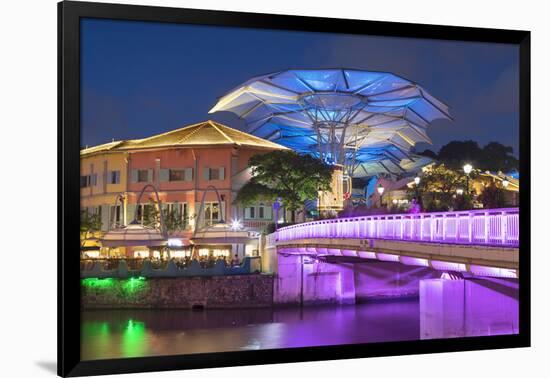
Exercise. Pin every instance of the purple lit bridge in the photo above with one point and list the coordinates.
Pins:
(481, 242)
(450, 261)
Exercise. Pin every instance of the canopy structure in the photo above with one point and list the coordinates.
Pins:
(343, 116)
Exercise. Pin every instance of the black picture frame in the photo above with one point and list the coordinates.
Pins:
(69, 14)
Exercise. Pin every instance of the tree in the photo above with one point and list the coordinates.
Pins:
(498, 157)
(438, 188)
(286, 174)
(173, 220)
(492, 197)
(492, 157)
(89, 223)
(428, 153)
(457, 153)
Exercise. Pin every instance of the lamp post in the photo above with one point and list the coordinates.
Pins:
(467, 169)
(276, 207)
(380, 190)
(416, 183)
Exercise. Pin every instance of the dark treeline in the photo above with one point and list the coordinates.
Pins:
(491, 157)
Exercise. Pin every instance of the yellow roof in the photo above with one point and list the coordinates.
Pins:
(100, 148)
(201, 134)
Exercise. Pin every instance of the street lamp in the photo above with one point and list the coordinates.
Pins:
(276, 207)
(467, 169)
(416, 182)
(505, 183)
(460, 191)
(380, 190)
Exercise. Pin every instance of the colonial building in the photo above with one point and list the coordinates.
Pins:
(186, 165)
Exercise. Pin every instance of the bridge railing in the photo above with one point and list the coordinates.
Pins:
(488, 227)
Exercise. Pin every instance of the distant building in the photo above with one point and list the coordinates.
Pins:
(181, 164)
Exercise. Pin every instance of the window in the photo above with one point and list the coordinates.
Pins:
(93, 179)
(114, 177)
(181, 209)
(145, 212)
(214, 173)
(211, 213)
(260, 211)
(115, 214)
(177, 174)
(142, 175)
(85, 181)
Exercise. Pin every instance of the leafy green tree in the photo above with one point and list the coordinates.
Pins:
(438, 187)
(286, 174)
(89, 223)
(173, 220)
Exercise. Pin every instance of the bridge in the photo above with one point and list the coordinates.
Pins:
(480, 242)
(449, 260)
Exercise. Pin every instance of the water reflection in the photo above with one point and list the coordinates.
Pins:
(134, 333)
(446, 308)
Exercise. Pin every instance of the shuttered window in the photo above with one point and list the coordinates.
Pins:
(177, 175)
(214, 173)
(142, 175)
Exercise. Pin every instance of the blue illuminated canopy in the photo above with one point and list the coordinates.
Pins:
(359, 119)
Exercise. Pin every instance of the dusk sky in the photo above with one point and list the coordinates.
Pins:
(140, 79)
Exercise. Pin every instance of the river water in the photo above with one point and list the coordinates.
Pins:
(138, 333)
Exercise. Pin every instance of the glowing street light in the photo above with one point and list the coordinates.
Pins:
(380, 190)
(467, 169)
(416, 182)
(460, 191)
(236, 224)
(505, 183)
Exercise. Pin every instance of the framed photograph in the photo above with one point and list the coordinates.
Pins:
(257, 189)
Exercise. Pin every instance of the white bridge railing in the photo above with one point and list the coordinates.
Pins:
(489, 227)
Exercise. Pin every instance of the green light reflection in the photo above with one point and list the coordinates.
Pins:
(134, 337)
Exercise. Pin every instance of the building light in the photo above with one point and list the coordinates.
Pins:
(236, 224)
(141, 254)
(173, 242)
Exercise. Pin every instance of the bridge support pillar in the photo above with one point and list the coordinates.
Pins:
(307, 281)
(471, 307)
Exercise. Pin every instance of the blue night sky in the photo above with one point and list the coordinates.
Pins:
(140, 79)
